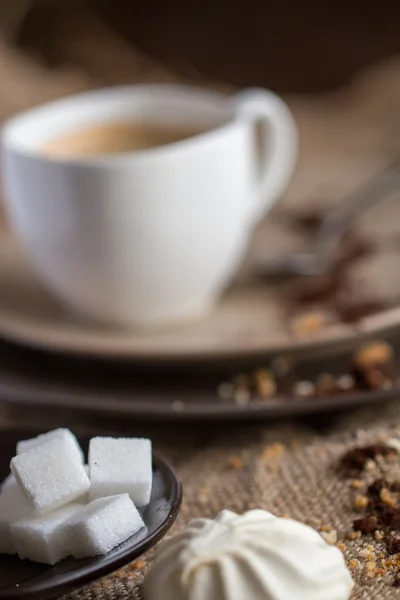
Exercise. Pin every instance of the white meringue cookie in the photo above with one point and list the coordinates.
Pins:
(254, 556)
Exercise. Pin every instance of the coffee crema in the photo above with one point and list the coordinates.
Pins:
(114, 138)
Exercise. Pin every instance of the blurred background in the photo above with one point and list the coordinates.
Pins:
(288, 46)
(334, 62)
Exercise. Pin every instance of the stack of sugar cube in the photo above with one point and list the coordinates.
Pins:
(53, 506)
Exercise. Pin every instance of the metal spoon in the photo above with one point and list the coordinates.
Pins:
(331, 230)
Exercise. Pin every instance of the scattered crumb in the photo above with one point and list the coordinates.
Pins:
(365, 553)
(370, 568)
(373, 366)
(377, 380)
(370, 465)
(388, 498)
(357, 484)
(392, 457)
(393, 443)
(131, 570)
(330, 537)
(372, 354)
(308, 323)
(366, 524)
(354, 564)
(354, 535)
(303, 389)
(272, 452)
(242, 396)
(393, 544)
(326, 528)
(379, 535)
(325, 385)
(375, 488)
(264, 383)
(341, 546)
(235, 462)
(357, 459)
(360, 501)
(345, 382)
(379, 572)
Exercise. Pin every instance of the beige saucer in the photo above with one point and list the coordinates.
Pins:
(249, 321)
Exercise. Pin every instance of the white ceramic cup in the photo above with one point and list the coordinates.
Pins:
(148, 237)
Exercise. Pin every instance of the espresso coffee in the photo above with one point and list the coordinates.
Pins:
(113, 138)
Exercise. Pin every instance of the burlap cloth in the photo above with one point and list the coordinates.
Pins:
(286, 468)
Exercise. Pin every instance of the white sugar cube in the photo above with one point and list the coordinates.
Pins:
(84, 499)
(13, 506)
(50, 474)
(43, 538)
(25, 445)
(102, 525)
(121, 465)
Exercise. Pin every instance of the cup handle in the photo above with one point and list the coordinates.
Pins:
(278, 147)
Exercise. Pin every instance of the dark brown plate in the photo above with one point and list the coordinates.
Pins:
(32, 581)
(32, 379)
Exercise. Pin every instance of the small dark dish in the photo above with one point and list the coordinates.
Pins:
(28, 580)
(31, 380)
